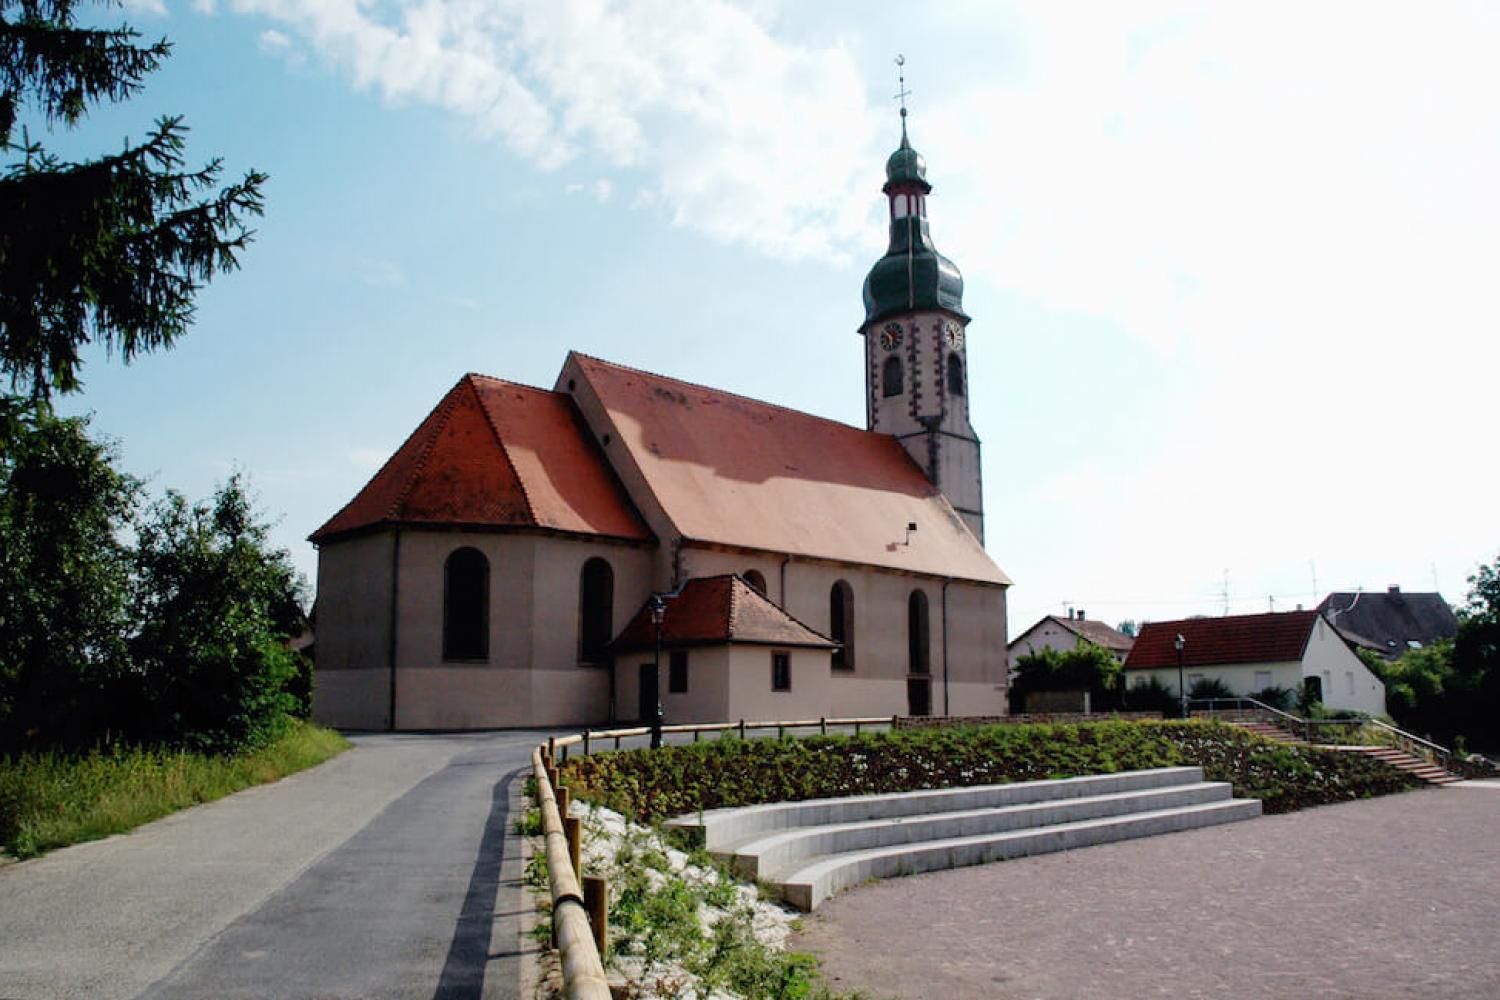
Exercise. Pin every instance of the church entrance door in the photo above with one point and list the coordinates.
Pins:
(648, 693)
(918, 696)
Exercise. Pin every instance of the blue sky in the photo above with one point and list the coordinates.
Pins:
(1232, 268)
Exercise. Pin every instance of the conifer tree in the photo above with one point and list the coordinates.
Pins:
(110, 250)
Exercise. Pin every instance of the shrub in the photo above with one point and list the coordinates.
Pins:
(1276, 697)
(650, 785)
(1151, 695)
(1210, 687)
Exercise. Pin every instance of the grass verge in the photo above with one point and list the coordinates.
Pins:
(653, 785)
(51, 800)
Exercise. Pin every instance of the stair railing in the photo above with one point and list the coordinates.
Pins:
(1400, 738)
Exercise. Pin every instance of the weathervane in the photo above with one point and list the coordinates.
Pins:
(902, 94)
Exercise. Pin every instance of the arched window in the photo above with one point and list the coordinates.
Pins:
(916, 633)
(596, 610)
(955, 376)
(890, 377)
(466, 605)
(841, 624)
(754, 579)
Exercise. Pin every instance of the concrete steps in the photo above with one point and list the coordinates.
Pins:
(812, 849)
(1270, 731)
(1428, 772)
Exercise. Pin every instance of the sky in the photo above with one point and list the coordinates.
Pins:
(1233, 268)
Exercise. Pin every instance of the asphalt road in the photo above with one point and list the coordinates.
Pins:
(391, 871)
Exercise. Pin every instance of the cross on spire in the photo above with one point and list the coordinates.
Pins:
(902, 94)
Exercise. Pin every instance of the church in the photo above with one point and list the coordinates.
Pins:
(541, 557)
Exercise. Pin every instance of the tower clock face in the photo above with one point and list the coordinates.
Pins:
(890, 337)
(953, 335)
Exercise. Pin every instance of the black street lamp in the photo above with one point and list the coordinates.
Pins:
(658, 615)
(1179, 642)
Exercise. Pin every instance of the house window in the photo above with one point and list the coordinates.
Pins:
(781, 671)
(955, 375)
(890, 377)
(1349, 679)
(917, 641)
(596, 602)
(677, 672)
(756, 581)
(841, 624)
(466, 605)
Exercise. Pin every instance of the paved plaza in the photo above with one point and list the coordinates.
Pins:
(1397, 897)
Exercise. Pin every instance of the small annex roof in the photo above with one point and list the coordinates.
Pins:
(738, 472)
(712, 610)
(496, 454)
(1086, 629)
(1277, 637)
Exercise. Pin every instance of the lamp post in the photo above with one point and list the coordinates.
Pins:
(658, 615)
(1179, 642)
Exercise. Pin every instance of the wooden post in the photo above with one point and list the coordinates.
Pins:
(742, 729)
(856, 729)
(551, 750)
(586, 738)
(596, 901)
(563, 796)
(617, 742)
(552, 777)
(696, 733)
(573, 829)
(823, 725)
(565, 752)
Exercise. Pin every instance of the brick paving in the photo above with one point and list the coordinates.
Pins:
(1395, 897)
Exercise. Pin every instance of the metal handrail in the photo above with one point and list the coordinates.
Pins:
(1306, 724)
(591, 736)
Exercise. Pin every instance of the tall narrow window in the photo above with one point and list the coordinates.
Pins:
(916, 633)
(955, 375)
(754, 578)
(466, 605)
(841, 624)
(596, 610)
(781, 671)
(890, 377)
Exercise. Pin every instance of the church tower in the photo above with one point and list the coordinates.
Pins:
(916, 368)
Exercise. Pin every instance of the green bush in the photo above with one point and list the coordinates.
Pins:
(650, 785)
(1276, 697)
(1151, 695)
(1210, 687)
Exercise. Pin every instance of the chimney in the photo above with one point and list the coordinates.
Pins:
(1082, 614)
(1070, 614)
(1393, 589)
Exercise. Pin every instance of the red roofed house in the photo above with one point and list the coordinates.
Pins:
(1249, 653)
(810, 568)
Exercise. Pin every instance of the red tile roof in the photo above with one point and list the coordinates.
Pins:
(1279, 637)
(718, 609)
(493, 453)
(734, 471)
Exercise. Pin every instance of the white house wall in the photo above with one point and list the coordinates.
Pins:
(1238, 677)
(1331, 659)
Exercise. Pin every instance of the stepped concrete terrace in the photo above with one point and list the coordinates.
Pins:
(812, 849)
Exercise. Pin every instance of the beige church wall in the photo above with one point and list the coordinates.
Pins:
(556, 614)
(420, 597)
(353, 603)
(707, 696)
(464, 698)
(352, 699)
(750, 694)
(976, 631)
(351, 671)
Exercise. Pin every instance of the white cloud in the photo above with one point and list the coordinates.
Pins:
(151, 8)
(272, 40)
(733, 132)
